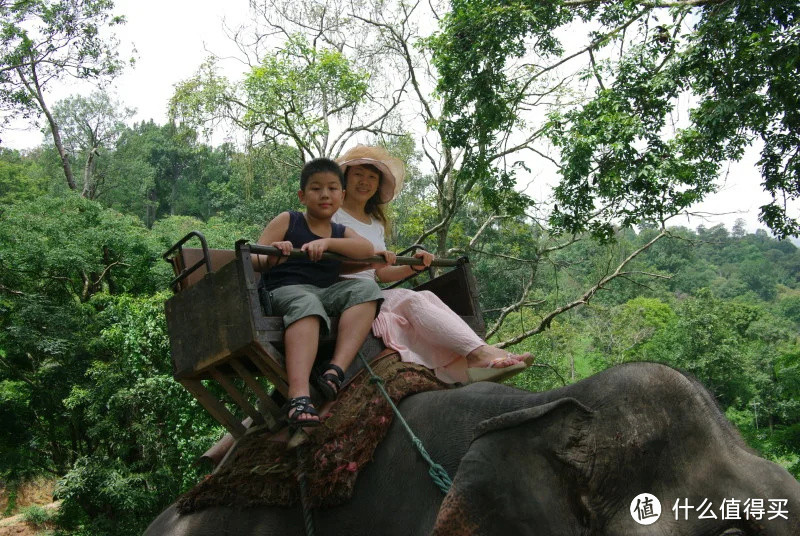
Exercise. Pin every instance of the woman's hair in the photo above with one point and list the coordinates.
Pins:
(374, 207)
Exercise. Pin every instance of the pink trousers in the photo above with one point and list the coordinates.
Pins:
(425, 331)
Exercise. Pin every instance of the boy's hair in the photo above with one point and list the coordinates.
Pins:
(320, 165)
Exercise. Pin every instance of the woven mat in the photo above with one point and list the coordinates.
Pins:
(262, 472)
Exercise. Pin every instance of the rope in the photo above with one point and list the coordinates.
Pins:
(308, 520)
(437, 473)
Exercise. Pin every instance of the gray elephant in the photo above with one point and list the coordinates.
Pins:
(574, 460)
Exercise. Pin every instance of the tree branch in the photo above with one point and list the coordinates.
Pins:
(7, 290)
(511, 308)
(650, 4)
(585, 298)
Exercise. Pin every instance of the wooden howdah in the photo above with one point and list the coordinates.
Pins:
(218, 330)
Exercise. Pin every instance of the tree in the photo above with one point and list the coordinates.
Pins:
(311, 82)
(56, 257)
(621, 160)
(161, 170)
(18, 180)
(43, 41)
(455, 182)
(145, 429)
(89, 125)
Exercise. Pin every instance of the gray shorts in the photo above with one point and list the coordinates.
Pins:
(294, 302)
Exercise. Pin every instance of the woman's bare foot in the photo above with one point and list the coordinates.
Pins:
(488, 356)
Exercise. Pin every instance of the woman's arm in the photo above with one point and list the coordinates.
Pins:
(388, 274)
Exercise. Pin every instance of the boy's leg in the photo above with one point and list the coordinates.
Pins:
(301, 340)
(354, 326)
(302, 313)
(356, 301)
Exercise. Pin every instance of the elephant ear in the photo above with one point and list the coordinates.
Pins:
(564, 425)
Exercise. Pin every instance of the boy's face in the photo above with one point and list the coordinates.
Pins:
(323, 194)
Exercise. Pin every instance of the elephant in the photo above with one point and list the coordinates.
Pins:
(570, 461)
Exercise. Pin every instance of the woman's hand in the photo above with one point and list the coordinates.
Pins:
(389, 257)
(316, 248)
(427, 259)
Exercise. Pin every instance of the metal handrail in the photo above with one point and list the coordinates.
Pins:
(187, 271)
(401, 261)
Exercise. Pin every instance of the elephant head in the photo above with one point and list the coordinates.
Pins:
(572, 466)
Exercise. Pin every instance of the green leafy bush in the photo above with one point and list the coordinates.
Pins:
(36, 515)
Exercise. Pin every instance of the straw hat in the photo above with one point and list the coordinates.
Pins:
(393, 169)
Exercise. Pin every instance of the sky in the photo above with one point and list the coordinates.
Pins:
(173, 37)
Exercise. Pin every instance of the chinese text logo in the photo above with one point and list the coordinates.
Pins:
(645, 509)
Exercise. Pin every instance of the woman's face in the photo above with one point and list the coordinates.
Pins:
(362, 183)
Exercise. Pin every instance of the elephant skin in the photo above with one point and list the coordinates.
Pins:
(564, 462)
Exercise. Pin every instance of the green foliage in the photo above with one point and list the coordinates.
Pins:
(620, 160)
(157, 171)
(56, 255)
(471, 52)
(201, 101)
(742, 60)
(218, 232)
(615, 155)
(89, 128)
(19, 181)
(42, 40)
(291, 98)
(295, 92)
(145, 429)
(36, 516)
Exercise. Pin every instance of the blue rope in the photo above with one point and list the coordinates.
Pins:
(436, 471)
(308, 520)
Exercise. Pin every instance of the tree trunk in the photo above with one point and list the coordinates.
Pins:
(152, 208)
(89, 187)
(36, 93)
(572, 367)
(441, 241)
(62, 153)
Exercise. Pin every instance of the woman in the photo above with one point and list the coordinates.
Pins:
(417, 325)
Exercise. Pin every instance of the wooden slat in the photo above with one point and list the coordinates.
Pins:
(270, 407)
(263, 355)
(214, 407)
(237, 396)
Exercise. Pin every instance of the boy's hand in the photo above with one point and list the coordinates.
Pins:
(389, 256)
(284, 245)
(315, 248)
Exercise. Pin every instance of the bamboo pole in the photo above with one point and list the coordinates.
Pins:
(401, 261)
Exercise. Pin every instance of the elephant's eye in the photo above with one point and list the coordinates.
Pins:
(734, 531)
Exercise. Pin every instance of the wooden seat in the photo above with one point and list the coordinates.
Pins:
(218, 331)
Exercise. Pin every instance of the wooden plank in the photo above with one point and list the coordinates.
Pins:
(209, 321)
(219, 258)
(214, 407)
(271, 409)
(237, 396)
(270, 328)
(261, 360)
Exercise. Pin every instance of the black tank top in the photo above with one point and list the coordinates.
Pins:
(322, 273)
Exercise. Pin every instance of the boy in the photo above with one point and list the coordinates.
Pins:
(307, 291)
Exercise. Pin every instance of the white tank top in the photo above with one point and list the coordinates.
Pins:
(372, 231)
